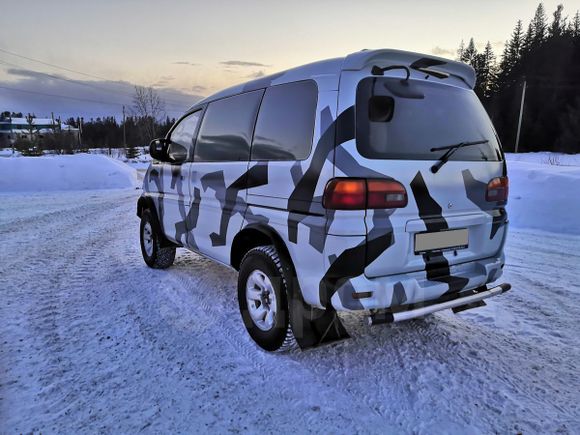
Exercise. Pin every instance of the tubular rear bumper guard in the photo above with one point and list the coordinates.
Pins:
(457, 302)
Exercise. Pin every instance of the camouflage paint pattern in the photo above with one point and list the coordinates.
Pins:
(204, 205)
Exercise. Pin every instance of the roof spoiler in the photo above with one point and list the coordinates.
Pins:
(416, 61)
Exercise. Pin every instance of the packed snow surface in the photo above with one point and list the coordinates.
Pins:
(92, 340)
(544, 191)
(64, 172)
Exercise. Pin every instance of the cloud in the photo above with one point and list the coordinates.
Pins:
(439, 51)
(198, 88)
(30, 74)
(163, 81)
(242, 63)
(29, 92)
(256, 75)
(184, 62)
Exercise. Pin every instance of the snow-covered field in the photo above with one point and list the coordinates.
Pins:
(65, 172)
(545, 192)
(93, 340)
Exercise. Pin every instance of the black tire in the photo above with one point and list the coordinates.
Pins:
(265, 259)
(160, 256)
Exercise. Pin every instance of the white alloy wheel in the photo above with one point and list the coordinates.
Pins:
(261, 300)
(148, 239)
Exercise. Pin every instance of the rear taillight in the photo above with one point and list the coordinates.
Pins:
(360, 194)
(385, 194)
(345, 194)
(497, 190)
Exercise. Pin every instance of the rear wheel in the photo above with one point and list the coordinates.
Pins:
(155, 254)
(263, 300)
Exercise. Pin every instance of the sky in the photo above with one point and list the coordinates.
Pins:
(189, 49)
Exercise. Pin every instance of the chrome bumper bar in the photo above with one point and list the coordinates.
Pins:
(473, 297)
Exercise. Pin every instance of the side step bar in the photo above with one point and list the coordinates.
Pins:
(469, 299)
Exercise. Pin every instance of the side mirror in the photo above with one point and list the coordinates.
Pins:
(177, 153)
(158, 150)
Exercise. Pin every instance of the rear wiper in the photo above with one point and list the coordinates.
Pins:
(450, 151)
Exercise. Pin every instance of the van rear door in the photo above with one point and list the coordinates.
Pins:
(398, 123)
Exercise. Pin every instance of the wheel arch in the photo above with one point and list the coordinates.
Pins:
(254, 235)
(147, 203)
(143, 203)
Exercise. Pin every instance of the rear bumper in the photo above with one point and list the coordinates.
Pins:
(362, 293)
(456, 301)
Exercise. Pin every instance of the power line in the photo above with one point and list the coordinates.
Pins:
(76, 82)
(60, 96)
(69, 98)
(56, 66)
(61, 78)
(71, 70)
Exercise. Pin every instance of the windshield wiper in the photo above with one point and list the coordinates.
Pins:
(450, 151)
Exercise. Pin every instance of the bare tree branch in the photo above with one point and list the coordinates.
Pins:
(148, 108)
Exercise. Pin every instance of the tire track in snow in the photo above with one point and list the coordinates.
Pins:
(211, 280)
(83, 280)
(47, 294)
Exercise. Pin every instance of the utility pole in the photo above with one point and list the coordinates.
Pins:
(11, 135)
(521, 115)
(81, 132)
(124, 132)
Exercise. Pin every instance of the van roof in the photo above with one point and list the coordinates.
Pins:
(327, 72)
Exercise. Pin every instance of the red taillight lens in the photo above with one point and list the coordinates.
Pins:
(359, 194)
(345, 194)
(497, 190)
(386, 194)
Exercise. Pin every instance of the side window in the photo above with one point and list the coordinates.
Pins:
(285, 124)
(182, 137)
(226, 130)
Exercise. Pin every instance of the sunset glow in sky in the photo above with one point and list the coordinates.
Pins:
(194, 48)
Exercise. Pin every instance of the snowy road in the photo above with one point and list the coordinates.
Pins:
(93, 340)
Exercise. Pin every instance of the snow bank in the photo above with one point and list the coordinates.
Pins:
(544, 192)
(546, 158)
(56, 173)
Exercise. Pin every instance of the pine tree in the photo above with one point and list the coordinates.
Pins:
(505, 58)
(528, 39)
(460, 50)
(558, 23)
(469, 53)
(539, 25)
(513, 49)
(569, 139)
(491, 70)
(575, 25)
(486, 69)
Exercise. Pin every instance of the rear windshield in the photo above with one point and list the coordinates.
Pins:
(397, 119)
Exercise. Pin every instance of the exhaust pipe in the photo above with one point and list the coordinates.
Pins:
(412, 311)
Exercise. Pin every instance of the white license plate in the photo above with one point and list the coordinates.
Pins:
(441, 241)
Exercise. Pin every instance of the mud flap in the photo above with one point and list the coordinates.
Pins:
(311, 326)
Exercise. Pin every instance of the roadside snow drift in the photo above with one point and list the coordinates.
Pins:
(544, 192)
(57, 173)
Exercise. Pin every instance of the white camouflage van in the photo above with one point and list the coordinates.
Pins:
(372, 183)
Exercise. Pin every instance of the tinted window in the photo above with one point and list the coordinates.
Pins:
(285, 123)
(404, 119)
(226, 130)
(183, 135)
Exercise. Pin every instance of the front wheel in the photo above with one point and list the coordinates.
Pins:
(263, 300)
(154, 253)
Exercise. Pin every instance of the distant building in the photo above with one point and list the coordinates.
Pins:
(19, 128)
